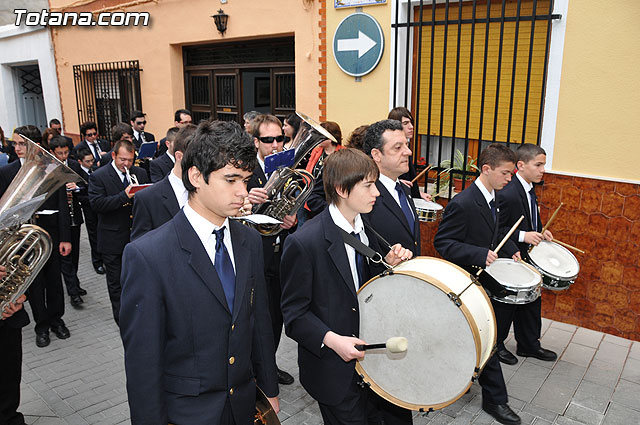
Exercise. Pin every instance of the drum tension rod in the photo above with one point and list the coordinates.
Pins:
(425, 413)
(387, 272)
(456, 300)
(362, 383)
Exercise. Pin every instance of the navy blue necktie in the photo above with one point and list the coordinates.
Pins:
(224, 268)
(534, 209)
(492, 204)
(125, 181)
(359, 262)
(404, 205)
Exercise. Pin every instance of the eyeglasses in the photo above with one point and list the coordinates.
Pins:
(268, 139)
(91, 134)
(21, 144)
(141, 123)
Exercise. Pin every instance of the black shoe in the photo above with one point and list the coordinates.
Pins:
(284, 378)
(76, 300)
(541, 354)
(61, 331)
(42, 339)
(100, 270)
(506, 357)
(502, 413)
(82, 291)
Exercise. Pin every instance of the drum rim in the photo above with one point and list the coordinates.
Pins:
(420, 200)
(472, 324)
(546, 273)
(524, 263)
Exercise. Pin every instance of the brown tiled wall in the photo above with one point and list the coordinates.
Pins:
(602, 218)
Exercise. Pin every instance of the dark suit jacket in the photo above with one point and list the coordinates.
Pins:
(78, 195)
(318, 295)
(113, 206)
(388, 219)
(160, 167)
(513, 202)
(467, 230)
(410, 175)
(179, 335)
(317, 200)
(104, 146)
(152, 207)
(148, 137)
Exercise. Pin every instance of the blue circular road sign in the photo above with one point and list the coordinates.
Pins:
(358, 44)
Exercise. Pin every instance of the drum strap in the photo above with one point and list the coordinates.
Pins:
(362, 248)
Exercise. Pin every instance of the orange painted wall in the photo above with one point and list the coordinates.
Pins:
(158, 47)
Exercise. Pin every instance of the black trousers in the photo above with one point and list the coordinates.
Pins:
(11, 361)
(272, 255)
(494, 389)
(113, 266)
(46, 295)
(526, 320)
(91, 222)
(69, 264)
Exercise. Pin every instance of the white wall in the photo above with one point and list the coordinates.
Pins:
(22, 46)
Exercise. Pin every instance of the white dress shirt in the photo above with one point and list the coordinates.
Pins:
(178, 189)
(527, 187)
(173, 158)
(120, 174)
(488, 196)
(342, 223)
(204, 229)
(390, 185)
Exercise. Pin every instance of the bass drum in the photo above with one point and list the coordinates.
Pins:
(449, 324)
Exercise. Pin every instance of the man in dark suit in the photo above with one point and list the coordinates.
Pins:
(158, 204)
(467, 235)
(110, 196)
(56, 125)
(162, 165)
(182, 117)
(46, 295)
(138, 122)
(86, 162)
(195, 323)
(394, 214)
(518, 198)
(120, 131)
(14, 318)
(89, 133)
(268, 139)
(321, 275)
(69, 263)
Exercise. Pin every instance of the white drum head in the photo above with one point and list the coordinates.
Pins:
(513, 273)
(426, 205)
(555, 260)
(442, 355)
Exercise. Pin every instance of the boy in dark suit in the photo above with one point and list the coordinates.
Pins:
(321, 275)
(467, 236)
(86, 166)
(194, 318)
(518, 198)
(163, 164)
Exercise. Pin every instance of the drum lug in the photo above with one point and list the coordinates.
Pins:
(362, 383)
(425, 413)
(456, 300)
(387, 272)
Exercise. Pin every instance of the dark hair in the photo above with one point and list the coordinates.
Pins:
(29, 131)
(399, 113)
(294, 121)
(57, 142)
(528, 151)
(136, 114)
(179, 112)
(373, 135)
(88, 125)
(216, 144)
(54, 121)
(49, 132)
(495, 154)
(171, 133)
(357, 137)
(127, 145)
(119, 130)
(82, 152)
(263, 119)
(345, 168)
(333, 128)
(184, 137)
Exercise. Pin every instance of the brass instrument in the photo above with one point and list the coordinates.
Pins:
(74, 221)
(25, 248)
(288, 188)
(264, 411)
(132, 177)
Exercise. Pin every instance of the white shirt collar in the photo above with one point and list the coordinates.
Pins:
(343, 223)
(173, 158)
(178, 189)
(261, 162)
(120, 173)
(527, 186)
(21, 161)
(488, 196)
(203, 227)
(389, 184)
(85, 169)
(135, 133)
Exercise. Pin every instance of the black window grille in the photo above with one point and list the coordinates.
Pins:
(107, 93)
(478, 76)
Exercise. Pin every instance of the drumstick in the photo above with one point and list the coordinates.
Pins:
(396, 344)
(566, 245)
(504, 240)
(422, 173)
(552, 217)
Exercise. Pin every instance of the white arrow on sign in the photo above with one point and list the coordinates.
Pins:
(362, 44)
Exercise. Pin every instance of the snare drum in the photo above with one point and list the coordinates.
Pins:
(516, 276)
(559, 267)
(449, 324)
(428, 211)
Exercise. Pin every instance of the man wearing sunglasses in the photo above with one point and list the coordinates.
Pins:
(97, 147)
(268, 139)
(138, 122)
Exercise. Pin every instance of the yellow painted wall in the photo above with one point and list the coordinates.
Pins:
(598, 126)
(158, 47)
(351, 103)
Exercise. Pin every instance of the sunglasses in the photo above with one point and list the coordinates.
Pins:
(141, 123)
(269, 139)
(91, 134)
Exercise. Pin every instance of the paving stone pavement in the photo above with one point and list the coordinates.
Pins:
(81, 380)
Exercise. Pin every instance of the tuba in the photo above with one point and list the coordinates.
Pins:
(25, 248)
(288, 188)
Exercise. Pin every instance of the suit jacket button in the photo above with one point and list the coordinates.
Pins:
(232, 360)
(353, 309)
(233, 326)
(230, 391)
